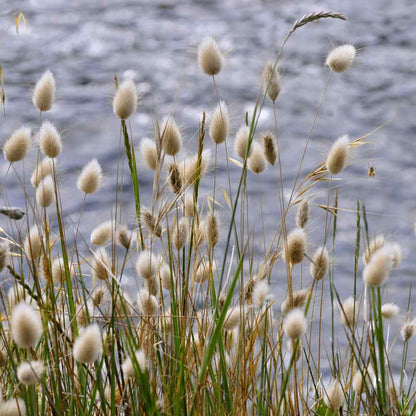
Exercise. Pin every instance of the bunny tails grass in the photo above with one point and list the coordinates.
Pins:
(16, 147)
(88, 346)
(220, 123)
(44, 92)
(26, 325)
(30, 372)
(271, 81)
(210, 57)
(171, 136)
(337, 157)
(125, 99)
(49, 140)
(294, 249)
(45, 193)
(341, 58)
(90, 178)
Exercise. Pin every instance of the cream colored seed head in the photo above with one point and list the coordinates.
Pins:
(90, 178)
(320, 263)
(299, 300)
(303, 214)
(408, 329)
(190, 167)
(241, 141)
(375, 243)
(58, 271)
(271, 81)
(270, 148)
(33, 243)
(295, 247)
(210, 57)
(125, 99)
(175, 179)
(26, 325)
(171, 136)
(220, 123)
(147, 265)
(45, 92)
(232, 318)
(257, 162)
(180, 232)
(44, 168)
(334, 395)
(147, 304)
(149, 153)
(45, 194)
(211, 230)
(295, 324)
(165, 277)
(389, 310)
(377, 271)
(337, 157)
(189, 205)
(260, 293)
(341, 58)
(50, 142)
(15, 295)
(102, 234)
(202, 272)
(124, 236)
(29, 373)
(4, 255)
(17, 145)
(349, 312)
(88, 346)
(101, 265)
(13, 407)
(128, 367)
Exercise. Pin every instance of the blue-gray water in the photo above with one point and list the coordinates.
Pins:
(86, 42)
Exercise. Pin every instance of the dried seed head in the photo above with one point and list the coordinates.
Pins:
(295, 247)
(88, 346)
(26, 325)
(295, 324)
(149, 153)
(271, 81)
(151, 223)
(220, 123)
(83, 313)
(171, 136)
(334, 395)
(44, 168)
(210, 58)
(377, 270)
(232, 318)
(31, 372)
(153, 285)
(389, 310)
(180, 232)
(349, 312)
(45, 91)
(98, 296)
(146, 303)
(50, 142)
(337, 157)
(189, 205)
(408, 329)
(199, 234)
(58, 271)
(256, 162)
(264, 320)
(375, 243)
(17, 145)
(191, 167)
(123, 236)
(270, 148)
(128, 367)
(341, 58)
(4, 255)
(13, 407)
(299, 300)
(241, 141)
(357, 383)
(45, 194)
(396, 253)
(90, 178)
(175, 180)
(165, 277)
(260, 293)
(33, 244)
(102, 234)
(211, 230)
(203, 272)
(125, 99)
(303, 214)
(320, 263)
(101, 265)
(147, 265)
(358, 380)
(15, 295)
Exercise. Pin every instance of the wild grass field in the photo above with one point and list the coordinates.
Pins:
(203, 335)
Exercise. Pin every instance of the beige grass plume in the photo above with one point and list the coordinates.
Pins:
(13, 407)
(151, 222)
(147, 265)
(212, 229)
(295, 246)
(295, 324)
(43, 168)
(58, 271)
(125, 99)
(320, 263)
(210, 57)
(334, 395)
(348, 312)
(378, 269)
(147, 304)
(171, 136)
(44, 92)
(88, 346)
(232, 318)
(389, 310)
(17, 145)
(50, 142)
(128, 367)
(341, 58)
(180, 232)
(270, 148)
(303, 213)
(4, 255)
(29, 373)
(33, 243)
(175, 180)
(241, 141)
(26, 325)
(101, 265)
(45, 193)
(337, 157)
(102, 234)
(149, 153)
(220, 123)
(256, 162)
(124, 236)
(271, 81)
(90, 178)
(299, 299)
(191, 167)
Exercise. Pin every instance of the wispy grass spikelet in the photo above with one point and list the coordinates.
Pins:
(149, 153)
(271, 81)
(348, 312)
(58, 271)
(4, 255)
(295, 247)
(101, 265)
(31, 372)
(45, 194)
(260, 293)
(377, 271)
(17, 145)
(13, 407)
(26, 325)
(210, 57)
(50, 142)
(171, 136)
(320, 263)
(220, 123)
(270, 148)
(337, 157)
(211, 230)
(341, 58)
(180, 233)
(241, 141)
(408, 329)
(125, 99)
(232, 318)
(123, 236)
(90, 178)
(44, 168)
(102, 234)
(147, 265)
(45, 91)
(303, 213)
(33, 243)
(151, 223)
(88, 346)
(146, 303)
(128, 367)
(299, 300)
(334, 396)
(295, 324)
(257, 162)
(389, 310)
(175, 180)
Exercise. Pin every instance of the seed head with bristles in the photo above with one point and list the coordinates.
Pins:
(232, 318)
(128, 367)
(341, 58)
(377, 270)
(337, 157)
(303, 214)
(151, 223)
(220, 123)
(90, 178)
(334, 395)
(408, 329)
(44, 168)
(146, 303)
(101, 265)
(26, 325)
(295, 247)
(50, 142)
(171, 136)
(125, 99)
(260, 293)
(149, 153)
(211, 230)
(271, 81)
(123, 236)
(191, 167)
(29, 373)
(320, 263)
(299, 300)
(175, 180)
(375, 243)
(270, 148)
(4, 255)
(44, 92)
(13, 407)
(241, 141)
(210, 57)
(189, 205)
(58, 271)
(88, 346)
(203, 271)
(348, 312)
(17, 145)
(257, 162)
(102, 234)
(180, 232)
(45, 194)
(165, 277)
(295, 324)
(33, 243)
(389, 310)
(147, 265)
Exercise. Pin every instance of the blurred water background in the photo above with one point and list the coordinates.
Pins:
(85, 43)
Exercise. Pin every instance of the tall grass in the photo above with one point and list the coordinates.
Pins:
(203, 336)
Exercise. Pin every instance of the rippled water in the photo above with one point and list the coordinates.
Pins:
(86, 42)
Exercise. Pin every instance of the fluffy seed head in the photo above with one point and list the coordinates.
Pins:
(128, 367)
(189, 205)
(232, 318)
(358, 384)
(88, 346)
(125, 99)
(90, 178)
(58, 271)
(341, 58)
(30, 372)
(102, 234)
(123, 236)
(320, 263)
(260, 293)
(389, 310)
(13, 407)
(17, 145)
(334, 395)
(377, 271)
(257, 162)
(146, 303)
(151, 223)
(4, 255)
(202, 272)
(299, 300)
(147, 265)
(44, 168)
(241, 141)
(15, 295)
(153, 285)
(165, 276)
(149, 153)
(408, 329)
(171, 136)
(210, 58)
(349, 312)
(50, 142)
(45, 194)
(45, 91)
(101, 265)
(270, 148)
(33, 244)
(295, 324)
(375, 243)
(337, 157)
(180, 232)
(295, 247)
(211, 229)
(220, 123)
(303, 214)
(191, 165)
(271, 81)
(26, 325)
(175, 180)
